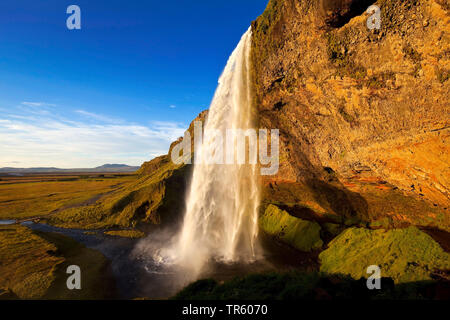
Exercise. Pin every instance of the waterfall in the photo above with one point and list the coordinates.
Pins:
(220, 222)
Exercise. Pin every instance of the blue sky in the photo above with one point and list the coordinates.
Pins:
(117, 91)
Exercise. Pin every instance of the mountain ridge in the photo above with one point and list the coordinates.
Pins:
(103, 168)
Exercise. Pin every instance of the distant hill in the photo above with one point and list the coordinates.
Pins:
(120, 167)
(104, 168)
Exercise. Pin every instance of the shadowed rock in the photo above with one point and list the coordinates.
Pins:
(339, 12)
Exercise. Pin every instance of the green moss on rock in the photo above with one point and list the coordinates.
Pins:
(300, 234)
(332, 228)
(405, 255)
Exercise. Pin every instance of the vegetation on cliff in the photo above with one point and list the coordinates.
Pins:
(147, 199)
(405, 255)
(300, 234)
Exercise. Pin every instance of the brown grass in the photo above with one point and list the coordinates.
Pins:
(33, 266)
(34, 196)
(27, 265)
(134, 234)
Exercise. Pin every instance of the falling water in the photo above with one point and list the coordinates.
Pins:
(221, 208)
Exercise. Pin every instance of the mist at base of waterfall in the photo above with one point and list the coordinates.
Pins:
(162, 278)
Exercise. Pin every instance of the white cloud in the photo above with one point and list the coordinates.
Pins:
(37, 104)
(46, 140)
(98, 117)
(172, 106)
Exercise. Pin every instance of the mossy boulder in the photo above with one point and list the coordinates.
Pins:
(301, 234)
(405, 255)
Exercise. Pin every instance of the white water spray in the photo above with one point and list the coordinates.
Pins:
(221, 208)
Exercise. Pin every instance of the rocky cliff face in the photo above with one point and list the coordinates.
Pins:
(363, 115)
(364, 128)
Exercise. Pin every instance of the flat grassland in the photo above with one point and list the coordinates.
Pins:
(30, 196)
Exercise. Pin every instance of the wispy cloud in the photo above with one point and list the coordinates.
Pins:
(50, 140)
(37, 104)
(98, 117)
(172, 106)
(36, 108)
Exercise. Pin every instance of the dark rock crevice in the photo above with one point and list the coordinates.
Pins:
(339, 12)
